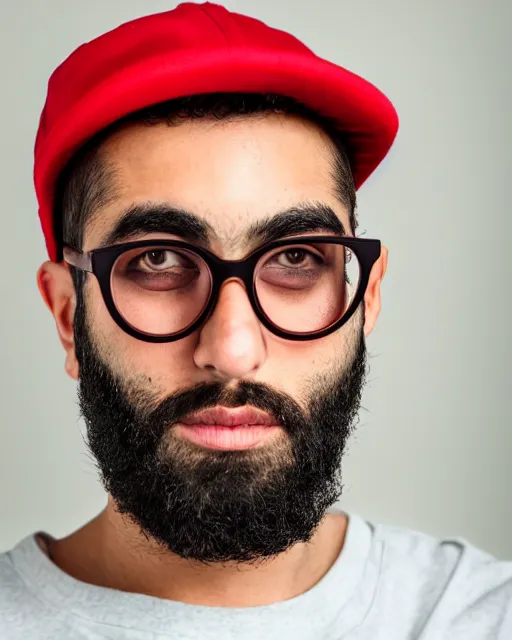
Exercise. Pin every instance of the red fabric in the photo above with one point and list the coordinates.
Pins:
(197, 48)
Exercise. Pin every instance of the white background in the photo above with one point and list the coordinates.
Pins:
(434, 443)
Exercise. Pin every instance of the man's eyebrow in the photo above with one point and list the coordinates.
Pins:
(140, 219)
(151, 217)
(302, 218)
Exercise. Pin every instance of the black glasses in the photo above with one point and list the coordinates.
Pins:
(300, 288)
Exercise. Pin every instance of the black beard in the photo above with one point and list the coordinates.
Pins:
(208, 505)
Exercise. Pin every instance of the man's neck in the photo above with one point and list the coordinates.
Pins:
(110, 551)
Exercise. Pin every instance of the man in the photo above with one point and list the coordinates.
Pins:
(196, 173)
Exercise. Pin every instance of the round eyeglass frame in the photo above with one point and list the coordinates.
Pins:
(101, 261)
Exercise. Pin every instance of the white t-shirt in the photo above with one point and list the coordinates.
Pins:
(387, 583)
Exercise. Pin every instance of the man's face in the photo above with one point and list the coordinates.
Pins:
(198, 502)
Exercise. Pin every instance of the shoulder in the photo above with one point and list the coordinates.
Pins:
(12, 588)
(453, 585)
(23, 613)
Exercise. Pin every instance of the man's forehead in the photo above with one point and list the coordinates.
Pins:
(229, 182)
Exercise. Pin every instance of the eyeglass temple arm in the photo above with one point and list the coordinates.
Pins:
(77, 258)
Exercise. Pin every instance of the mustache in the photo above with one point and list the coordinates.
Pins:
(208, 395)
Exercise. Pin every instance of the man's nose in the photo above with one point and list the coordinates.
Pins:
(231, 341)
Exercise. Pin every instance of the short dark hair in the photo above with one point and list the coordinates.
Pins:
(87, 182)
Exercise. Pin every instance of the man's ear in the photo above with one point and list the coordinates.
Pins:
(56, 287)
(372, 302)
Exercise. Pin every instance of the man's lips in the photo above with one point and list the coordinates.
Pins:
(240, 416)
(223, 428)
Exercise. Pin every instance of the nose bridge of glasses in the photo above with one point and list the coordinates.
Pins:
(224, 271)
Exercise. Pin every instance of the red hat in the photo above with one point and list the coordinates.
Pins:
(197, 48)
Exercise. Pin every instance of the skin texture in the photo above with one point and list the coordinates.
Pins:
(230, 173)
